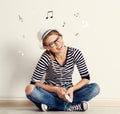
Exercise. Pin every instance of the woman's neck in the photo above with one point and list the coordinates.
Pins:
(61, 57)
(61, 54)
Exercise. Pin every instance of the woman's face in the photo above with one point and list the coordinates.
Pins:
(54, 43)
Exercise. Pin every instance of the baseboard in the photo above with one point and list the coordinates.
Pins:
(105, 102)
(92, 103)
(15, 103)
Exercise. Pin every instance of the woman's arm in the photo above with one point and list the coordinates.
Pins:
(80, 84)
(60, 91)
(47, 87)
(77, 86)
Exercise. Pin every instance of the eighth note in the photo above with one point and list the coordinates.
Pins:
(49, 14)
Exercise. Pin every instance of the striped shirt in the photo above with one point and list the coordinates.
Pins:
(58, 75)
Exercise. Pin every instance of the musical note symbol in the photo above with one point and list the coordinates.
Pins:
(20, 53)
(23, 36)
(76, 34)
(84, 23)
(63, 24)
(76, 15)
(49, 14)
(20, 18)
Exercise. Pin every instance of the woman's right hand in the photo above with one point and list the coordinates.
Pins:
(61, 92)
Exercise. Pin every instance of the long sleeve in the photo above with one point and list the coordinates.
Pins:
(40, 68)
(81, 65)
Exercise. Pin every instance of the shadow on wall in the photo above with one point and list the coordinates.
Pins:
(20, 67)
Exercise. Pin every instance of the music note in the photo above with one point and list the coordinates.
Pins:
(20, 53)
(76, 34)
(49, 14)
(84, 23)
(63, 24)
(20, 18)
(76, 14)
(23, 36)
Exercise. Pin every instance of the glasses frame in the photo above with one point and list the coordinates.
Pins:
(52, 44)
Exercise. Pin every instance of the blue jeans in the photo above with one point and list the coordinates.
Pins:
(40, 96)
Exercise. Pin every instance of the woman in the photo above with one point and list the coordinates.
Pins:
(56, 64)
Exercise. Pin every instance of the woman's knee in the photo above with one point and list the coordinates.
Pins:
(29, 89)
(96, 88)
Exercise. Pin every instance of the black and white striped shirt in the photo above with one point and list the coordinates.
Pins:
(61, 76)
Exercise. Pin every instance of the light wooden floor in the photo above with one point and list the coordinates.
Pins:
(25, 107)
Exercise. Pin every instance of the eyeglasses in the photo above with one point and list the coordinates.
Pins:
(52, 44)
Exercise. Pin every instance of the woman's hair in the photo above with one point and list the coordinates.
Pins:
(51, 58)
(49, 52)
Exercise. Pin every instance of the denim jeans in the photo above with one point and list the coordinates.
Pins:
(40, 96)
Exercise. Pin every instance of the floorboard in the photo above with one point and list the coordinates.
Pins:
(25, 107)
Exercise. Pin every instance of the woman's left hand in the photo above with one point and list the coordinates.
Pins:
(70, 92)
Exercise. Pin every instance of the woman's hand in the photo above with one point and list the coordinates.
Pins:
(61, 92)
(70, 92)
